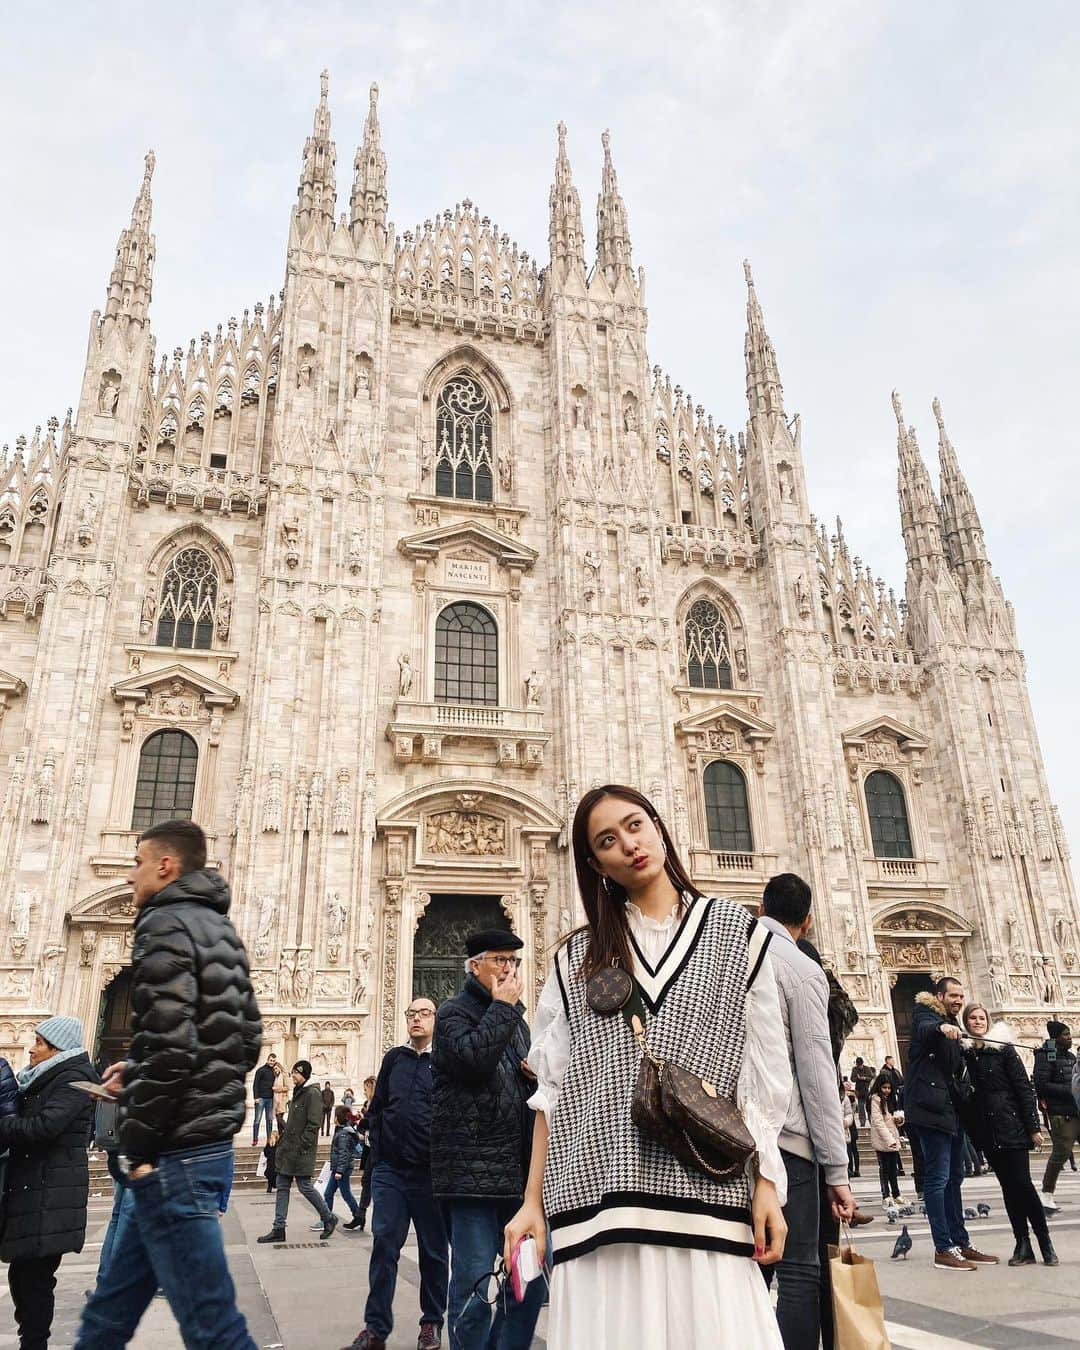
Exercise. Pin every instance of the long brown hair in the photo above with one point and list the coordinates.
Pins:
(605, 910)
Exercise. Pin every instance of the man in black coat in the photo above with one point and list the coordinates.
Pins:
(398, 1122)
(1054, 1061)
(481, 1135)
(931, 1092)
(262, 1089)
(196, 1037)
(44, 1213)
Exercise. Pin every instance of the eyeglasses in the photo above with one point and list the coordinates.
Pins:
(505, 962)
(410, 1013)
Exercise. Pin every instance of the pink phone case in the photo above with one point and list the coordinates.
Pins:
(518, 1284)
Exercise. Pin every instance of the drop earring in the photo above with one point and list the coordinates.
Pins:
(606, 885)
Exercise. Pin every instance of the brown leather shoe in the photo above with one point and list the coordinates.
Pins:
(429, 1338)
(952, 1260)
(860, 1220)
(367, 1340)
(978, 1257)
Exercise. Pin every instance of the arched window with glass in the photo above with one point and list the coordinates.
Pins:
(189, 591)
(165, 786)
(727, 809)
(890, 829)
(464, 427)
(708, 651)
(466, 655)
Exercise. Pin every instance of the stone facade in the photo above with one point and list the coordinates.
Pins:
(290, 479)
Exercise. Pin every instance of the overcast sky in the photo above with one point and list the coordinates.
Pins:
(904, 176)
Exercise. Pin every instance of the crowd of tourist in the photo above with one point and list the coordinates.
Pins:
(670, 1136)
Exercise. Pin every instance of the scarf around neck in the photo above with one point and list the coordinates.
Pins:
(26, 1076)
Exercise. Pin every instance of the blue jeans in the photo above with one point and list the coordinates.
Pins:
(398, 1195)
(798, 1307)
(264, 1107)
(122, 1210)
(943, 1162)
(332, 1188)
(476, 1240)
(173, 1240)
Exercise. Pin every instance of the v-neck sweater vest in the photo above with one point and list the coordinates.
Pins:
(605, 1182)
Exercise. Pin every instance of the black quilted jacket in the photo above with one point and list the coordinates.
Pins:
(481, 1129)
(195, 1022)
(44, 1212)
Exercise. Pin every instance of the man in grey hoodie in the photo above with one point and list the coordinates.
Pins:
(813, 1133)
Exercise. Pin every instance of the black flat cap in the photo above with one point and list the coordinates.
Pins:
(492, 940)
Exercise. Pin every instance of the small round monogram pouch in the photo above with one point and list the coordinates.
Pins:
(609, 990)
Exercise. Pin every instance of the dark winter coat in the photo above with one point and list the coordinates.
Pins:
(1053, 1079)
(481, 1129)
(328, 1099)
(398, 1120)
(44, 1211)
(933, 1063)
(263, 1083)
(9, 1089)
(299, 1140)
(195, 1023)
(343, 1155)
(1002, 1112)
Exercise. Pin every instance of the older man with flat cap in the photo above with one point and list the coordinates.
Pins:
(481, 1137)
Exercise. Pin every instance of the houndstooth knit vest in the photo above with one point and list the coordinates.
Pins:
(605, 1182)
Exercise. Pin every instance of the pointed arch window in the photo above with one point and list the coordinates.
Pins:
(463, 435)
(727, 809)
(708, 651)
(165, 786)
(466, 655)
(189, 591)
(890, 829)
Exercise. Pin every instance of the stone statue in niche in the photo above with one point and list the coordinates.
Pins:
(265, 926)
(149, 609)
(641, 584)
(787, 483)
(362, 386)
(19, 914)
(302, 979)
(506, 471)
(802, 597)
(534, 687)
(285, 979)
(580, 407)
(360, 979)
(629, 416)
(109, 393)
(741, 666)
(303, 376)
(224, 616)
(50, 964)
(84, 528)
(355, 558)
(290, 530)
(405, 675)
(336, 917)
(87, 947)
(591, 563)
(999, 986)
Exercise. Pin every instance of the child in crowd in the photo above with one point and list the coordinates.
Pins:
(270, 1154)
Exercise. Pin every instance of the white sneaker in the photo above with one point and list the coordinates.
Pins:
(315, 1227)
(1049, 1203)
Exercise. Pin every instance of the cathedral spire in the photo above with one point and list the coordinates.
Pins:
(612, 225)
(128, 298)
(565, 230)
(764, 392)
(920, 515)
(316, 197)
(369, 174)
(962, 527)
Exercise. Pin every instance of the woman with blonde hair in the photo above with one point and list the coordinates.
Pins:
(650, 1248)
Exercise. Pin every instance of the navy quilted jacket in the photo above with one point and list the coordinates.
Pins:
(9, 1090)
(481, 1129)
(195, 1022)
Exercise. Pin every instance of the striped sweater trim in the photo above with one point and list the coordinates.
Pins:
(638, 1217)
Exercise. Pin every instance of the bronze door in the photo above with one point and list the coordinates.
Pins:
(439, 946)
(903, 1005)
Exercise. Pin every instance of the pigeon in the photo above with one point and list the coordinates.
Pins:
(907, 1212)
(970, 1214)
(984, 1209)
(922, 1209)
(903, 1244)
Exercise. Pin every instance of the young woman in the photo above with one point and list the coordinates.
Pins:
(646, 1250)
(851, 1129)
(1003, 1122)
(885, 1138)
(281, 1096)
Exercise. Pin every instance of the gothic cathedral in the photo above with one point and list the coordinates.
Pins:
(375, 581)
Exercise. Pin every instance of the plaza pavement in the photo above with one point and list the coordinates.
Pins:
(310, 1295)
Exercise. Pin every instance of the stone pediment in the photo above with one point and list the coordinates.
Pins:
(142, 686)
(471, 539)
(886, 728)
(101, 908)
(10, 686)
(726, 716)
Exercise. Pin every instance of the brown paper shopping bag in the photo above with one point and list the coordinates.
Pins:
(857, 1308)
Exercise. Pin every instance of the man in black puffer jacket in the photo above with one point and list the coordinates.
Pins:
(196, 1036)
(481, 1134)
(1054, 1062)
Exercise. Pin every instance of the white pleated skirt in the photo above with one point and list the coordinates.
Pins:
(665, 1298)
